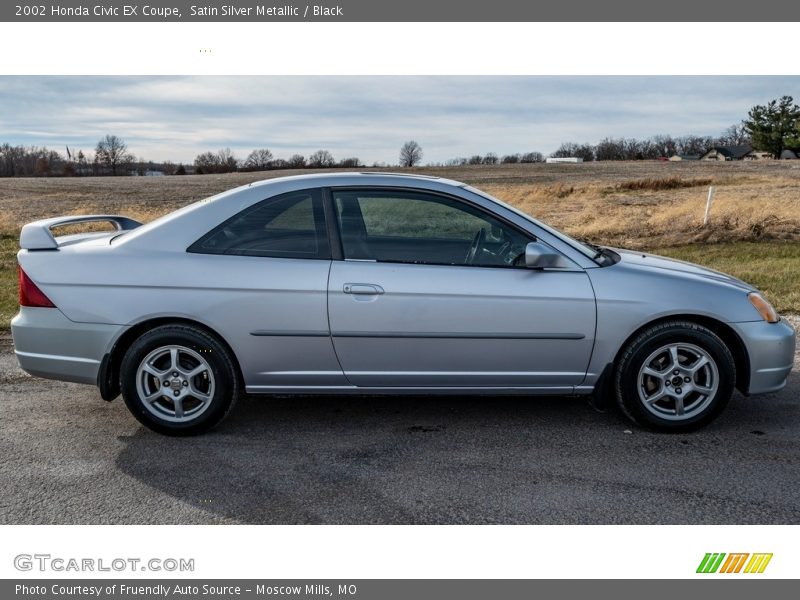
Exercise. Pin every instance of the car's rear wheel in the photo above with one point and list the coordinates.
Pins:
(178, 380)
(675, 376)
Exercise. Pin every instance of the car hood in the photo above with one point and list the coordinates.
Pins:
(661, 263)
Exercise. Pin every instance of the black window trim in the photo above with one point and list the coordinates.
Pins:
(331, 225)
(322, 229)
(360, 188)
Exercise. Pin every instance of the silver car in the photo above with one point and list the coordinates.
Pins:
(370, 283)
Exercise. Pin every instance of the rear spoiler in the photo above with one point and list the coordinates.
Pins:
(37, 235)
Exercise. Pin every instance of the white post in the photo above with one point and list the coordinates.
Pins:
(709, 202)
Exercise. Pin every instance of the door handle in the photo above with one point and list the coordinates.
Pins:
(362, 289)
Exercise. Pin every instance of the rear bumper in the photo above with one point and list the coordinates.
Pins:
(770, 347)
(47, 344)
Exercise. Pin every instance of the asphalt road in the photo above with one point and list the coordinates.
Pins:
(68, 457)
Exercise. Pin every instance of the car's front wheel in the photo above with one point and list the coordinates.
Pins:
(178, 380)
(675, 376)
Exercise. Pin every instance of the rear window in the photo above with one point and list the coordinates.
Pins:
(288, 226)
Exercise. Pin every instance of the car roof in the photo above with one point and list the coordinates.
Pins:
(362, 178)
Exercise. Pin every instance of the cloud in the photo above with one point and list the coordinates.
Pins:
(370, 117)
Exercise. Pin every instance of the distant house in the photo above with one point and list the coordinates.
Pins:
(758, 155)
(569, 159)
(727, 152)
(788, 155)
(678, 157)
(146, 173)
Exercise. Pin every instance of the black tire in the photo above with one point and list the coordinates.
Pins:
(219, 370)
(627, 384)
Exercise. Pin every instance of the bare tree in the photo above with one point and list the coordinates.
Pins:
(532, 157)
(258, 160)
(83, 167)
(112, 151)
(42, 166)
(141, 167)
(571, 149)
(24, 161)
(321, 159)
(410, 154)
(222, 161)
(586, 152)
(490, 159)
(207, 162)
(694, 144)
(610, 149)
(351, 162)
(648, 150)
(227, 160)
(666, 145)
(566, 150)
(735, 135)
(296, 161)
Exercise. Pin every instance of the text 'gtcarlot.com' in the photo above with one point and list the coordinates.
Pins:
(47, 562)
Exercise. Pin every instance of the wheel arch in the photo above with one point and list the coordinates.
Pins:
(725, 332)
(108, 376)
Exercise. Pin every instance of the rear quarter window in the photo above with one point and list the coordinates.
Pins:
(287, 226)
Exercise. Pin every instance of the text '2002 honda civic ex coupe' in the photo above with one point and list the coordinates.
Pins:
(372, 283)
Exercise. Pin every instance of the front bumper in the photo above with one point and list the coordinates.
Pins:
(47, 344)
(771, 348)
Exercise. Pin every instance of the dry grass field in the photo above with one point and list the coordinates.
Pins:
(754, 232)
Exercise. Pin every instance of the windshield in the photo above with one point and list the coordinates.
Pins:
(588, 250)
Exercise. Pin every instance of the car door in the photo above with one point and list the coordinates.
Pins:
(264, 274)
(432, 293)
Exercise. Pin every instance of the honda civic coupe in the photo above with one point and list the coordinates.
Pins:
(371, 283)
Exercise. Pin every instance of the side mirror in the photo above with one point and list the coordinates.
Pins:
(540, 256)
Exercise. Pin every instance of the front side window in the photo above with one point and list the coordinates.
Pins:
(588, 251)
(288, 226)
(422, 228)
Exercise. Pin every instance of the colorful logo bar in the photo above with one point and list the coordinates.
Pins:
(737, 562)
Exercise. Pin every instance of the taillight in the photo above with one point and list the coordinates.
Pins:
(30, 295)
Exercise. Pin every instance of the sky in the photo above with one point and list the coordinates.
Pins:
(177, 117)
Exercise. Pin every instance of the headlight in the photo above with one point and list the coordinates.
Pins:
(763, 307)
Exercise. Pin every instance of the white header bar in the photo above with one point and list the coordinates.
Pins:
(397, 49)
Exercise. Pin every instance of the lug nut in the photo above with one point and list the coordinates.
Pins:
(675, 372)
(176, 393)
(175, 373)
(185, 383)
(678, 390)
(667, 383)
(166, 383)
(687, 379)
